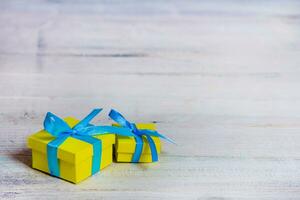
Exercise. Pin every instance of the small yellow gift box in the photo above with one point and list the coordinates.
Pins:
(142, 146)
(125, 146)
(74, 155)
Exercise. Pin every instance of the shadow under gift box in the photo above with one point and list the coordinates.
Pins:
(124, 147)
(74, 155)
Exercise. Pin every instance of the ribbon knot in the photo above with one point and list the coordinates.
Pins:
(134, 129)
(71, 132)
(138, 136)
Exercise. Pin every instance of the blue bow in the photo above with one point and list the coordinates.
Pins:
(82, 131)
(138, 134)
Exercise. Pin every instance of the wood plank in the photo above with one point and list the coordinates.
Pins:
(220, 78)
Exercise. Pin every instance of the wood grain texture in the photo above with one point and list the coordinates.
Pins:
(219, 77)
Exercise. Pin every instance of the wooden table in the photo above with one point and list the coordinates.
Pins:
(220, 78)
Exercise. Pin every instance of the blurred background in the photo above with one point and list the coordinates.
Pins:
(219, 77)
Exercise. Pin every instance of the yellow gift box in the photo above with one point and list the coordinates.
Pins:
(74, 155)
(124, 147)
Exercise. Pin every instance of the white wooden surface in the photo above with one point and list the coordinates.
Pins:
(219, 77)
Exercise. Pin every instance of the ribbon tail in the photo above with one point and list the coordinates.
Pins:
(153, 148)
(87, 119)
(155, 133)
(53, 164)
(117, 117)
(138, 149)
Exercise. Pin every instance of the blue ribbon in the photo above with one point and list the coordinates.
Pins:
(138, 136)
(82, 131)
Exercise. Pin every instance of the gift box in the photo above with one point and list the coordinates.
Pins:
(125, 147)
(143, 146)
(75, 156)
(71, 149)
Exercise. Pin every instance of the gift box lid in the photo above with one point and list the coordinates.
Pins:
(71, 150)
(126, 144)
